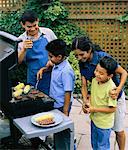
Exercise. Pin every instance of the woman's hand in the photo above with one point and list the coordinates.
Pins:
(114, 93)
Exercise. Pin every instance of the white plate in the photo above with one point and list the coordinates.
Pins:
(57, 119)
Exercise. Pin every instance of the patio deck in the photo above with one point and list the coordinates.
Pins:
(82, 128)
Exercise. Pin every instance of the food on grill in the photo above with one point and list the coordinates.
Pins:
(19, 86)
(40, 95)
(27, 92)
(31, 96)
(45, 119)
(18, 97)
(34, 91)
(27, 89)
(17, 93)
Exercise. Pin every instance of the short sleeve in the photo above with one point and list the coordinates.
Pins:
(68, 80)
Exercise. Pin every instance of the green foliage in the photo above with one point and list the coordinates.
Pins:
(9, 22)
(75, 66)
(56, 12)
(53, 16)
(67, 32)
(126, 88)
(124, 18)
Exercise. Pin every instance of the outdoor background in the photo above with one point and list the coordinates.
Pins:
(105, 22)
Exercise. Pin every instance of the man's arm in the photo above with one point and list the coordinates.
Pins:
(21, 55)
(66, 102)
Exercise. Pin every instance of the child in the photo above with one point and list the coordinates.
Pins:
(62, 77)
(102, 106)
(61, 86)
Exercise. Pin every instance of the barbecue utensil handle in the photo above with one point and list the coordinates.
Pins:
(36, 86)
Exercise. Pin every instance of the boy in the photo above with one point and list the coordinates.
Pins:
(61, 86)
(102, 106)
(62, 77)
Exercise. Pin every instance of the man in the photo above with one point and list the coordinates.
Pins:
(32, 49)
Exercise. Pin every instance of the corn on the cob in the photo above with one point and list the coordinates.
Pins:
(17, 93)
(19, 86)
(47, 116)
(27, 89)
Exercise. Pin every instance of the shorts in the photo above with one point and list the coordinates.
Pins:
(120, 114)
(100, 138)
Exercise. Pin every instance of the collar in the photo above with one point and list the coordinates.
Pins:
(61, 65)
(40, 32)
(95, 58)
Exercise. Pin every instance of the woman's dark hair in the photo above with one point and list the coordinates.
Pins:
(29, 16)
(109, 64)
(57, 47)
(84, 44)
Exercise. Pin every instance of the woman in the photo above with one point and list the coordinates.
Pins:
(89, 55)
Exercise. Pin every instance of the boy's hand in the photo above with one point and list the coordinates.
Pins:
(86, 107)
(49, 64)
(40, 73)
(66, 113)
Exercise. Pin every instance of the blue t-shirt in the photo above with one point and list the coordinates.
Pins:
(62, 80)
(87, 68)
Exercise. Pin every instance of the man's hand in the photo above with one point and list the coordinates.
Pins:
(27, 44)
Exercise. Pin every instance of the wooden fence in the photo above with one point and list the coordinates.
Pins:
(10, 5)
(98, 18)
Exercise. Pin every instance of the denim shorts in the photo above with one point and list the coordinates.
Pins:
(100, 138)
(120, 114)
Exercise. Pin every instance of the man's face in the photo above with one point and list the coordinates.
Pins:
(31, 28)
(82, 56)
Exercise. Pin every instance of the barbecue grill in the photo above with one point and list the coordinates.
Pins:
(11, 107)
(8, 61)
